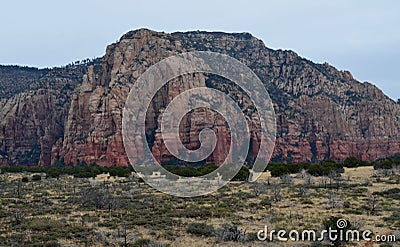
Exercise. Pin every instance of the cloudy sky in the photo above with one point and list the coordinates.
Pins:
(360, 36)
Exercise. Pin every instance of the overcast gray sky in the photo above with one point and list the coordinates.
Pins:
(360, 36)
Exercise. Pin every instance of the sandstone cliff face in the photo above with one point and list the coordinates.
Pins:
(34, 106)
(322, 113)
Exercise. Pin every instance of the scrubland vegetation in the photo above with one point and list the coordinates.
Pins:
(87, 205)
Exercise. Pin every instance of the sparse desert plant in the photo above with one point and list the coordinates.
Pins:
(51, 244)
(144, 242)
(230, 232)
(276, 192)
(303, 191)
(251, 236)
(354, 162)
(286, 179)
(394, 219)
(258, 188)
(308, 178)
(242, 175)
(266, 202)
(334, 201)
(75, 208)
(367, 182)
(36, 177)
(200, 229)
(346, 204)
(43, 224)
(141, 242)
(100, 197)
(18, 215)
(371, 204)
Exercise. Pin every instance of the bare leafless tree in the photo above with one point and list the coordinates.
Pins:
(124, 234)
(276, 192)
(303, 191)
(19, 193)
(308, 179)
(371, 204)
(333, 176)
(286, 179)
(323, 181)
(17, 215)
(99, 196)
(258, 188)
(230, 232)
(334, 200)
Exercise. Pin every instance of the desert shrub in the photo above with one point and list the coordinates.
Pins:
(242, 175)
(90, 218)
(388, 192)
(167, 234)
(354, 211)
(317, 169)
(100, 197)
(194, 211)
(230, 232)
(191, 171)
(81, 170)
(346, 204)
(53, 172)
(25, 179)
(207, 168)
(266, 202)
(306, 201)
(144, 242)
(184, 171)
(385, 164)
(51, 244)
(17, 169)
(392, 191)
(354, 162)
(324, 168)
(286, 179)
(36, 177)
(298, 167)
(200, 229)
(251, 236)
(332, 223)
(17, 215)
(141, 242)
(3, 214)
(278, 170)
(120, 171)
(395, 216)
(258, 188)
(43, 224)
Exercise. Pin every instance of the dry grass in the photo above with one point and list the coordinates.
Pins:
(163, 219)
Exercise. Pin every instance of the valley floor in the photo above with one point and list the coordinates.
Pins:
(113, 211)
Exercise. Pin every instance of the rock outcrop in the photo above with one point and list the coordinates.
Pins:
(322, 113)
(34, 106)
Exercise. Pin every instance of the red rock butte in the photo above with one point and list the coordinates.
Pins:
(75, 112)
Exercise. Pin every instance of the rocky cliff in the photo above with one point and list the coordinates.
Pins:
(75, 114)
(34, 107)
